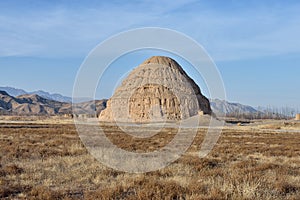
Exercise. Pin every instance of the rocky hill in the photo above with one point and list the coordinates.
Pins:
(222, 107)
(19, 101)
(29, 104)
(17, 92)
(32, 104)
(90, 107)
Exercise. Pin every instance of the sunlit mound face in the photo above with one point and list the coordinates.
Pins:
(153, 102)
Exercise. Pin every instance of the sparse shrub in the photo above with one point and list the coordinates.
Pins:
(42, 192)
(12, 169)
(284, 188)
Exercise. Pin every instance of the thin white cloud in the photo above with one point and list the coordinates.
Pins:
(60, 31)
(66, 32)
(245, 34)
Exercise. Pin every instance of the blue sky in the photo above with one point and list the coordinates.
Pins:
(255, 44)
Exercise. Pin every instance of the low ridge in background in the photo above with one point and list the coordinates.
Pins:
(33, 104)
(17, 92)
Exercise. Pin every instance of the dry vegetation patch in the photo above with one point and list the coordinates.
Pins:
(50, 162)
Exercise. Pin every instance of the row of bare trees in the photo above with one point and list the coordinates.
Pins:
(269, 112)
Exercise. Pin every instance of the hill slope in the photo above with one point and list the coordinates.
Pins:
(17, 92)
(222, 107)
(32, 104)
(19, 101)
(29, 104)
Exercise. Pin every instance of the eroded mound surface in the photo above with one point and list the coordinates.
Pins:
(157, 90)
(153, 101)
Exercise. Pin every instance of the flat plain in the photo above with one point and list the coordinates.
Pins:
(47, 160)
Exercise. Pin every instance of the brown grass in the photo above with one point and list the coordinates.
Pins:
(48, 161)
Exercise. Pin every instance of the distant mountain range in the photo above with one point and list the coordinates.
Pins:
(222, 107)
(18, 101)
(17, 92)
(33, 104)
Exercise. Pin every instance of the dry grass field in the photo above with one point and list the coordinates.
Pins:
(49, 161)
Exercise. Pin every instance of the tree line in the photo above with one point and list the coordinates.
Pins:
(269, 112)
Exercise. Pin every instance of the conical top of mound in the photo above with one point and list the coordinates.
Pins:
(157, 90)
(161, 60)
